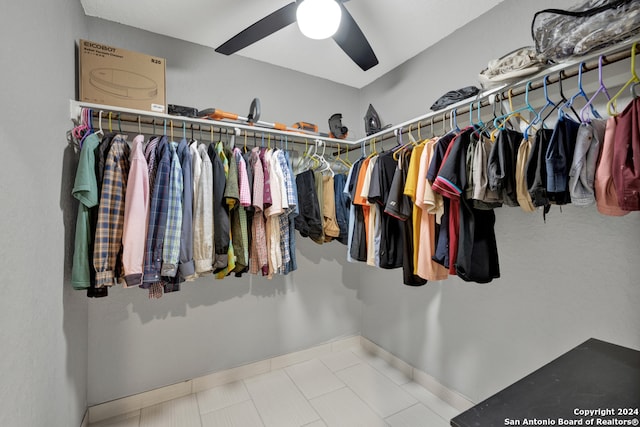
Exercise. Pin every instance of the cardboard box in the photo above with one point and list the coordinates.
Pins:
(119, 77)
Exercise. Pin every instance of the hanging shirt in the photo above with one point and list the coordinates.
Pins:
(626, 157)
(108, 240)
(359, 243)
(426, 267)
(85, 190)
(136, 210)
(559, 158)
(171, 243)
(448, 183)
(203, 215)
(410, 189)
(349, 187)
(373, 217)
(342, 207)
(258, 251)
(241, 242)
(502, 165)
(604, 186)
(186, 266)
(221, 224)
(150, 151)
(391, 249)
(524, 198)
(536, 169)
(400, 206)
(585, 158)
(157, 219)
(482, 196)
(230, 201)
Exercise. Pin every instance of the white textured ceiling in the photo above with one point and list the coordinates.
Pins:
(397, 30)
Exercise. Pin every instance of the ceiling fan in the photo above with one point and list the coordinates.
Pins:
(348, 36)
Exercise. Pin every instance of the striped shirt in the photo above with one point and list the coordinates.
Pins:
(107, 251)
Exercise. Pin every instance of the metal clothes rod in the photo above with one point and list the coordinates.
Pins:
(129, 115)
(610, 55)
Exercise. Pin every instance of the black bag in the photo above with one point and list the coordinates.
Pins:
(559, 34)
(454, 96)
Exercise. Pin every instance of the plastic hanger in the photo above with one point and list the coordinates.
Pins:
(100, 132)
(515, 114)
(611, 105)
(581, 93)
(549, 103)
(454, 120)
(601, 89)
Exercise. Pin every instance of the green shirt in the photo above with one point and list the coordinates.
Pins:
(85, 189)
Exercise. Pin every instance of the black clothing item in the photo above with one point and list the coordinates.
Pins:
(454, 96)
(390, 227)
(308, 221)
(221, 221)
(401, 206)
(358, 250)
(501, 168)
(536, 169)
(441, 254)
(477, 259)
(559, 157)
(342, 207)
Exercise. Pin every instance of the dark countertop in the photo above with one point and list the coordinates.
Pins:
(595, 380)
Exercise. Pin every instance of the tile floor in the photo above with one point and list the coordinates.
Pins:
(348, 388)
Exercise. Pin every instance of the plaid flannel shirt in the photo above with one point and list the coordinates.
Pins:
(108, 238)
(172, 231)
(157, 217)
(258, 251)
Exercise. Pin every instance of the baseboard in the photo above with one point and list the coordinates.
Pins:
(445, 394)
(136, 402)
(153, 397)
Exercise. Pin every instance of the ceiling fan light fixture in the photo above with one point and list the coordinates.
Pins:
(318, 19)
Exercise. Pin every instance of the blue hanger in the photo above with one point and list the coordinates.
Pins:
(184, 130)
(549, 103)
(454, 120)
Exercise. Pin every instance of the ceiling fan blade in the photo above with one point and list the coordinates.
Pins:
(351, 39)
(268, 25)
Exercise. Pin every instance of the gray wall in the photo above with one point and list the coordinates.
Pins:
(43, 361)
(562, 282)
(136, 344)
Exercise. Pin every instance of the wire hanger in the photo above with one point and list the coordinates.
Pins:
(612, 104)
(601, 89)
